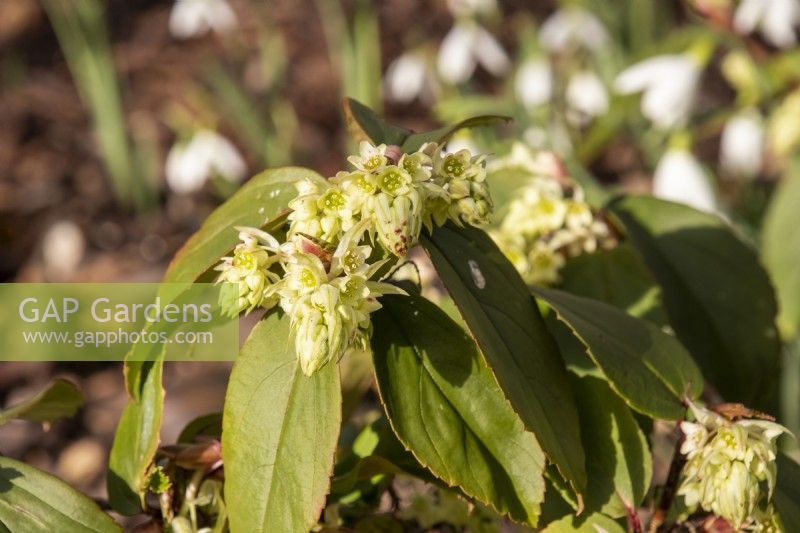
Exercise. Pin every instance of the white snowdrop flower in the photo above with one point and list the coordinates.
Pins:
(586, 94)
(572, 26)
(63, 247)
(408, 77)
(680, 178)
(194, 18)
(207, 154)
(466, 8)
(775, 19)
(459, 143)
(741, 149)
(536, 137)
(465, 46)
(534, 82)
(669, 83)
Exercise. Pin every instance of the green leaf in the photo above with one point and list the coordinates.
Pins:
(136, 440)
(414, 141)
(512, 336)
(718, 298)
(782, 248)
(787, 493)
(32, 501)
(60, 399)
(261, 199)
(279, 434)
(647, 367)
(619, 466)
(594, 523)
(209, 425)
(618, 277)
(356, 376)
(375, 457)
(446, 408)
(366, 125)
(158, 481)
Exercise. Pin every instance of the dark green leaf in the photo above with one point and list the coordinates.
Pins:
(136, 439)
(356, 376)
(619, 466)
(787, 493)
(506, 323)
(32, 501)
(446, 407)
(782, 249)
(377, 439)
(279, 434)
(366, 125)
(555, 506)
(593, 523)
(718, 298)
(414, 141)
(618, 277)
(261, 199)
(60, 399)
(209, 425)
(647, 367)
(376, 456)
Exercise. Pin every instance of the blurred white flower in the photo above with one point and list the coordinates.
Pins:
(775, 19)
(194, 18)
(572, 26)
(669, 83)
(63, 246)
(408, 77)
(207, 154)
(741, 150)
(587, 95)
(467, 45)
(534, 82)
(536, 137)
(680, 178)
(461, 142)
(466, 8)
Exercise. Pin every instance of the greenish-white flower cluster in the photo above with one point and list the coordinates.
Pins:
(324, 276)
(548, 222)
(730, 468)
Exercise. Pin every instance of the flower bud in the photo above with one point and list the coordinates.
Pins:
(398, 221)
(320, 334)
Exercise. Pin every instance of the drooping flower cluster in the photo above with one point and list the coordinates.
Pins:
(549, 220)
(324, 275)
(730, 468)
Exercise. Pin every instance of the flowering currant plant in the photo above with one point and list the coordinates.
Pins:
(579, 362)
(328, 284)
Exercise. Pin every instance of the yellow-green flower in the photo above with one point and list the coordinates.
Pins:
(730, 469)
(250, 269)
